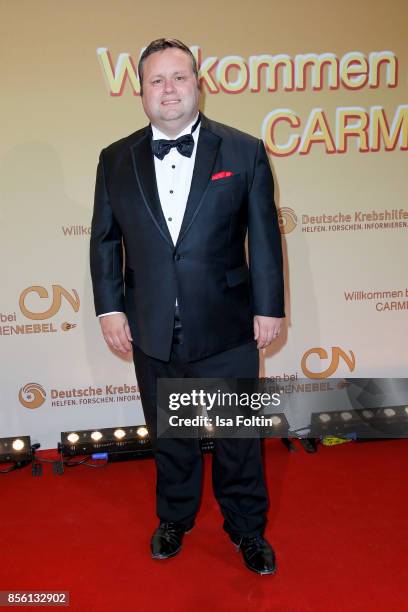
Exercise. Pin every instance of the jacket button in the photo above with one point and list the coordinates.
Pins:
(177, 257)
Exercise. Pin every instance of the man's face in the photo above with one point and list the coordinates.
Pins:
(170, 90)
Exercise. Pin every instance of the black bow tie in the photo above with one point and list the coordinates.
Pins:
(184, 145)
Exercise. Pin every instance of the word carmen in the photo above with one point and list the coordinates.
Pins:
(370, 130)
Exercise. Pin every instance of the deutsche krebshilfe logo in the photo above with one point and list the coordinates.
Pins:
(32, 395)
(287, 219)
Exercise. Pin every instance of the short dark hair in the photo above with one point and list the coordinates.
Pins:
(160, 44)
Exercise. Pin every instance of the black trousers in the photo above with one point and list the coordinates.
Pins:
(237, 472)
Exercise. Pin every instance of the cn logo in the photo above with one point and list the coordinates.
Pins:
(57, 293)
(287, 219)
(337, 352)
(32, 395)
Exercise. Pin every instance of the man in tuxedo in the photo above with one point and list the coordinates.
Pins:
(178, 198)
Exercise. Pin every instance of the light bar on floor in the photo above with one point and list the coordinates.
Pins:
(16, 449)
(119, 443)
(385, 421)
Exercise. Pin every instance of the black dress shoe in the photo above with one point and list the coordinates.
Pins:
(258, 554)
(166, 540)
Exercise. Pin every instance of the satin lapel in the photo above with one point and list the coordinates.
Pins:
(207, 149)
(143, 165)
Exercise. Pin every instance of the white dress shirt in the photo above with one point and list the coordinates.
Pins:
(173, 176)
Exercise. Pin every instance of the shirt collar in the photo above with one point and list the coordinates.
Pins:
(156, 133)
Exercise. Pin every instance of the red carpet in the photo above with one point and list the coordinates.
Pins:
(338, 522)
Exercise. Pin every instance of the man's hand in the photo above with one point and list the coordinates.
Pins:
(116, 331)
(266, 329)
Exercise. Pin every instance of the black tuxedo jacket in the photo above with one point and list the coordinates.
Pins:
(206, 270)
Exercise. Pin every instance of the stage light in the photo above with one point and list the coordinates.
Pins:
(96, 436)
(389, 412)
(18, 444)
(142, 432)
(368, 414)
(276, 426)
(73, 438)
(346, 416)
(406, 409)
(16, 449)
(119, 434)
(324, 417)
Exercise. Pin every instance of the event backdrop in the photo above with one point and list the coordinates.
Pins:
(325, 86)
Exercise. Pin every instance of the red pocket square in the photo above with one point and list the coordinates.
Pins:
(221, 175)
